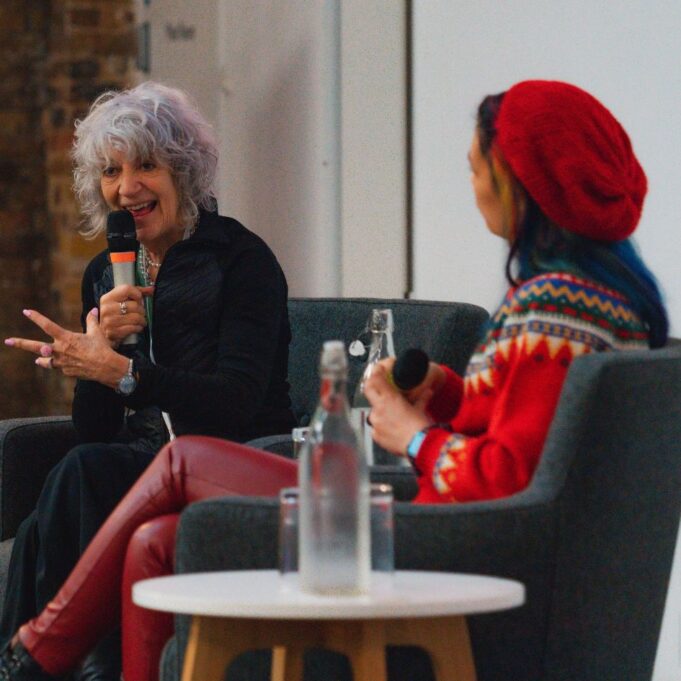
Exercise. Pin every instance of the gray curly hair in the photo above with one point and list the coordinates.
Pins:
(147, 122)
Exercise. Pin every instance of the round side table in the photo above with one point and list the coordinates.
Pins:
(245, 610)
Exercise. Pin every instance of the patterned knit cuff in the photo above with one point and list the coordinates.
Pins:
(429, 451)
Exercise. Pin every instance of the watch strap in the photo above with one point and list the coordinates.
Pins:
(416, 441)
(415, 444)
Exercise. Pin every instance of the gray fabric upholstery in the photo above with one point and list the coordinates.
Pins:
(592, 538)
(401, 478)
(5, 554)
(29, 448)
(277, 444)
(448, 332)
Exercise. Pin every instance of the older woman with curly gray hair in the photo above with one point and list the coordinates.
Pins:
(209, 306)
(151, 121)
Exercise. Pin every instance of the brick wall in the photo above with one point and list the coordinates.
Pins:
(55, 57)
(24, 33)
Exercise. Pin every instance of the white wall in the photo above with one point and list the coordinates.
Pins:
(314, 138)
(309, 101)
(625, 52)
(183, 42)
(280, 138)
(374, 187)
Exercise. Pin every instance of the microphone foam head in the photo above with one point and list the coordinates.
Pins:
(410, 368)
(120, 232)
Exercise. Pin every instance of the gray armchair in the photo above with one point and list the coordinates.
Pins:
(29, 448)
(448, 332)
(592, 538)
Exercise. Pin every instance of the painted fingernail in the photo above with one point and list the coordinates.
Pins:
(27, 312)
(95, 312)
(46, 351)
(10, 341)
(38, 362)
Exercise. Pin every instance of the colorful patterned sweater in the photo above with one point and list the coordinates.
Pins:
(499, 414)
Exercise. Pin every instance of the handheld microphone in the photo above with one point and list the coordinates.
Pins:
(410, 369)
(123, 247)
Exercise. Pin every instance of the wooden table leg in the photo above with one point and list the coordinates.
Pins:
(213, 644)
(364, 644)
(290, 664)
(278, 669)
(445, 639)
(288, 640)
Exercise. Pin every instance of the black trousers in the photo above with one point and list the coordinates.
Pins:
(78, 495)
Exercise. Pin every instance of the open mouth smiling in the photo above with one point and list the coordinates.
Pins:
(140, 209)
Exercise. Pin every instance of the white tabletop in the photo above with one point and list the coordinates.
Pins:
(265, 594)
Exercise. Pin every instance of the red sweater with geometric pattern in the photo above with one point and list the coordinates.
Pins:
(498, 415)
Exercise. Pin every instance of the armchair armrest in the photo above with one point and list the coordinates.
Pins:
(401, 478)
(276, 444)
(29, 448)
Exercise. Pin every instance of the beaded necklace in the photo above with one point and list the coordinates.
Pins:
(143, 263)
(147, 263)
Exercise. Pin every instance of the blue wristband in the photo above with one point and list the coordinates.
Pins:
(415, 444)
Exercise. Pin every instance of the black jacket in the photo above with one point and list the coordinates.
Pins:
(220, 339)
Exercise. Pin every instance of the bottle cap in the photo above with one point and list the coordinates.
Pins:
(333, 357)
(381, 320)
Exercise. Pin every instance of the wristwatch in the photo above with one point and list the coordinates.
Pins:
(128, 383)
(415, 444)
(417, 440)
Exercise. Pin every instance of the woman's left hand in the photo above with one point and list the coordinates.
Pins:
(394, 419)
(83, 355)
(121, 312)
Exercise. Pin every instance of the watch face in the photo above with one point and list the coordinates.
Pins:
(127, 384)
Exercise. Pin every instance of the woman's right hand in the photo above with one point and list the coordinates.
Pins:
(121, 312)
(393, 418)
(434, 379)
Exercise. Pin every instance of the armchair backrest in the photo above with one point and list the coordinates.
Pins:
(448, 332)
(616, 442)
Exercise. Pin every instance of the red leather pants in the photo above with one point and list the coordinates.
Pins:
(144, 632)
(188, 469)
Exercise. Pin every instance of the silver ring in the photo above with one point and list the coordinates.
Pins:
(50, 363)
(124, 307)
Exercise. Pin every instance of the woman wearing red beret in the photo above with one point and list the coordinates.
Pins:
(553, 174)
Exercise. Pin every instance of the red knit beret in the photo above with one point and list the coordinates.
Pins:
(573, 157)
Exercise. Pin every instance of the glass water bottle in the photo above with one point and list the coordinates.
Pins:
(382, 346)
(334, 540)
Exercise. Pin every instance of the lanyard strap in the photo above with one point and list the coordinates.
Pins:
(142, 279)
